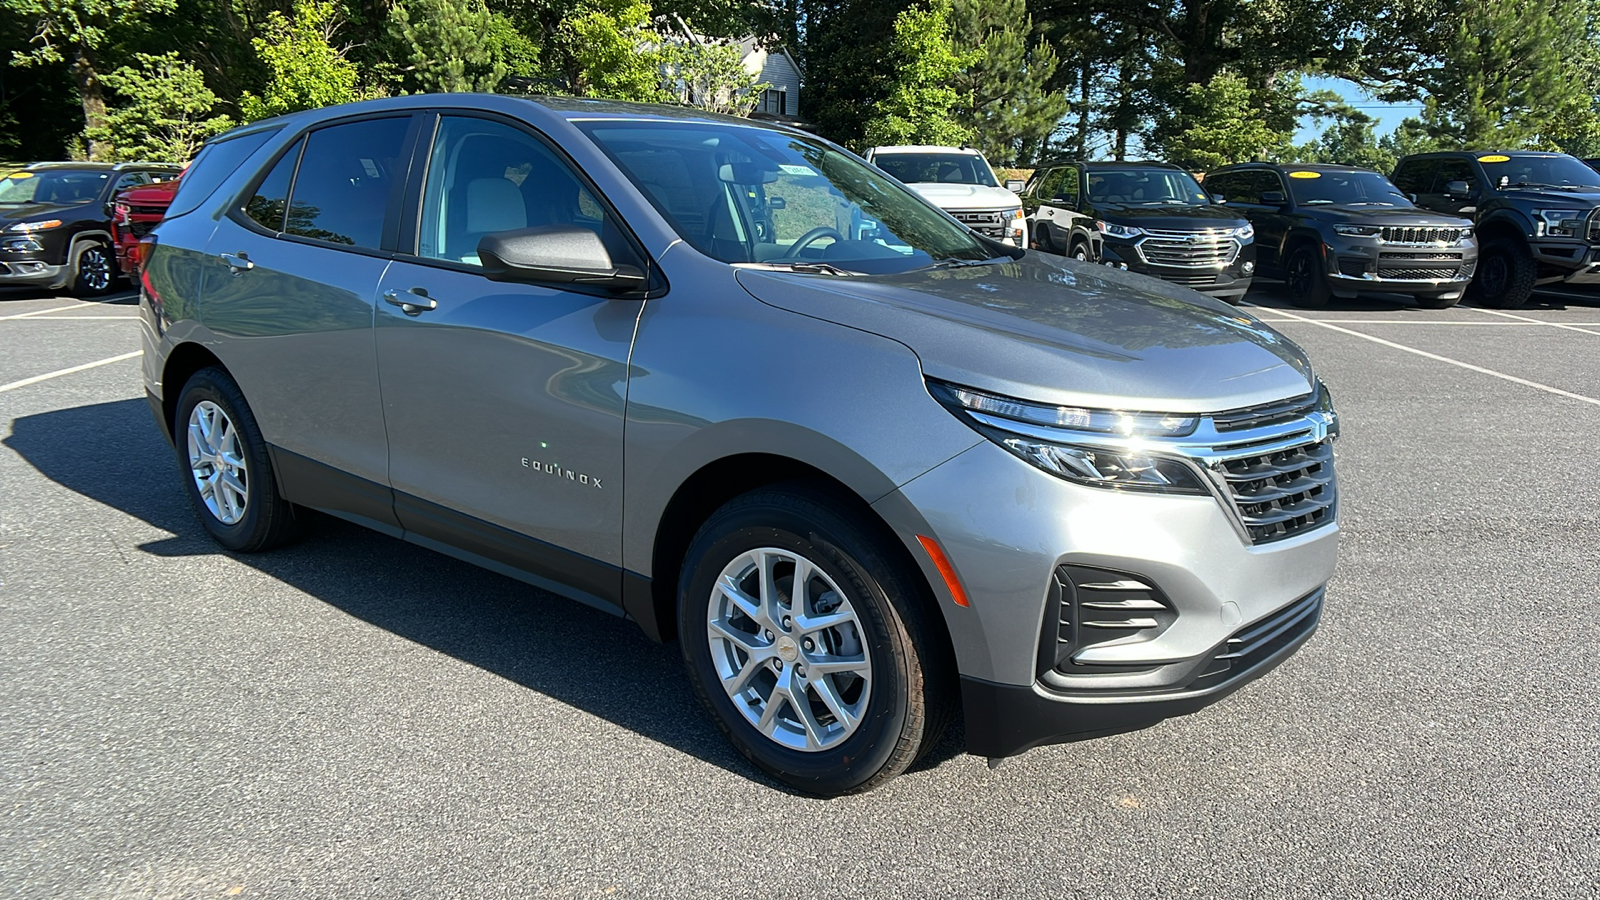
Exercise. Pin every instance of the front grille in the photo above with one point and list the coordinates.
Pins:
(1188, 249)
(1191, 280)
(140, 229)
(1260, 641)
(1282, 493)
(1449, 274)
(1264, 413)
(1594, 227)
(1395, 235)
(990, 223)
(1422, 255)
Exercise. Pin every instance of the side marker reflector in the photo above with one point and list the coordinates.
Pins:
(945, 569)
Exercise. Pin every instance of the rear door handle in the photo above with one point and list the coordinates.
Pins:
(238, 262)
(413, 302)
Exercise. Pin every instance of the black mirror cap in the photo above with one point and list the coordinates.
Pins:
(1457, 188)
(1274, 198)
(554, 254)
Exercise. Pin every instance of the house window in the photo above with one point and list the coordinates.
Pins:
(775, 100)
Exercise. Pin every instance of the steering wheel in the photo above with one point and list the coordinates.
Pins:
(811, 237)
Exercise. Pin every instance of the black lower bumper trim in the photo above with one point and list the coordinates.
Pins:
(1007, 719)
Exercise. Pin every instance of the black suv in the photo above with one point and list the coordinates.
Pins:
(1337, 231)
(55, 223)
(1145, 217)
(1538, 215)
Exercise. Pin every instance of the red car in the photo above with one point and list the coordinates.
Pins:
(137, 212)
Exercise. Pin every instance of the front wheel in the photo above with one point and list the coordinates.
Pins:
(1080, 252)
(96, 269)
(808, 643)
(1506, 273)
(1303, 276)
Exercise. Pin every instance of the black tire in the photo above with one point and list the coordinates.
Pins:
(94, 270)
(1438, 301)
(1304, 279)
(912, 676)
(1080, 251)
(268, 520)
(1505, 277)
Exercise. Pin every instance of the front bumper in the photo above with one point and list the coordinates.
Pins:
(1229, 279)
(1358, 264)
(1567, 262)
(30, 272)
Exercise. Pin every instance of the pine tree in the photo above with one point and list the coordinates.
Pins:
(1006, 94)
(446, 45)
(922, 104)
(307, 71)
(164, 111)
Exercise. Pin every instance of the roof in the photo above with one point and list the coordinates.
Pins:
(1109, 164)
(108, 167)
(925, 148)
(1447, 154)
(1314, 167)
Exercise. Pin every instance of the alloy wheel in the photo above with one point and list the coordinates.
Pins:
(1494, 274)
(787, 647)
(217, 463)
(94, 267)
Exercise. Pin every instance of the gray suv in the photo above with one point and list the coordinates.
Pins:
(870, 469)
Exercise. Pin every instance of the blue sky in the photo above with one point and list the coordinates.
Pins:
(1388, 115)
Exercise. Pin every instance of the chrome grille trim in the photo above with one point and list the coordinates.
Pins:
(1199, 249)
(987, 222)
(1420, 235)
(1594, 227)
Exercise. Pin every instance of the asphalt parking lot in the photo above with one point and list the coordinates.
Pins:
(358, 717)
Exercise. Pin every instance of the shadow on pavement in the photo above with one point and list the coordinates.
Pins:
(112, 453)
(1271, 294)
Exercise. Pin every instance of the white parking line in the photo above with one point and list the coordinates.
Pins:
(39, 312)
(57, 374)
(1445, 359)
(1566, 325)
(1527, 324)
(132, 318)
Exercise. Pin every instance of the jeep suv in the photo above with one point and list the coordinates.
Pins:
(1538, 215)
(1338, 231)
(866, 480)
(1150, 218)
(55, 223)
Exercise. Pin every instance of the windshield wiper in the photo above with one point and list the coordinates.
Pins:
(954, 263)
(800, 268)
(1369, 203)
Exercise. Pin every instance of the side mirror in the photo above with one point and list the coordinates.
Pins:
(554, 254)
(1457, 189)
(1274, 198)
(776, 203)
(1218, 198)
(1015, 185)
(1412, 197)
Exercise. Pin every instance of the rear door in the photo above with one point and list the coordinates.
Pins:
(504, 401)
(290, 287)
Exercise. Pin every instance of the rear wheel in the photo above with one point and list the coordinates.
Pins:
(1506, 272)
(1304, 278)
(226, 471)
(96, 270)
(809, 644)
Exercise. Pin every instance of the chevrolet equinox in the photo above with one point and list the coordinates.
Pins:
(870, 468)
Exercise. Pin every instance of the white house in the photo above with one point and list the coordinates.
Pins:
(777, 70)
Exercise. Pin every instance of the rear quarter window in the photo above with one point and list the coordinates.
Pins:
(211, 168)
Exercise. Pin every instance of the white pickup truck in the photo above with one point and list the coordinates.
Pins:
(959, 181)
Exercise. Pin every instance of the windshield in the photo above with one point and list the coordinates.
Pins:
(936, 168)
(1538, 170)
(58, 186)
(743, 194)
(1322, 188)
(1145, 187)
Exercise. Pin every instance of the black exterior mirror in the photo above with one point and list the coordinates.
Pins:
(776, 203)
(1218, 198)
(554, 254)
(1274, 198)
(1457, 189)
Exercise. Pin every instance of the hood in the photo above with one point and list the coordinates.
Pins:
(150, 194)
(31, 211)
(1573, 199)
(1055, 330)
(1178, 218)
(1382, 215)
(965, 196)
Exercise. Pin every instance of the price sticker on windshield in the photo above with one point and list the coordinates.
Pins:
(1495, 158)
(802, 171)
(1305, 174)
(18, 176)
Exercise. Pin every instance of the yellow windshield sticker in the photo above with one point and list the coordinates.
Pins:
(1495, 158)
(1305, 174)
(20, 175)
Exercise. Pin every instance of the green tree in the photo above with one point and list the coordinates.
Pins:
(708, 75)
(447, 45)
(305, 70)
(594, 51)
(163, 111)
(922, 104)
(846, 51)
(1006, 96)
(1223, 124)
(75, 32)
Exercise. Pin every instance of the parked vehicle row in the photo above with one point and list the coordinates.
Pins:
(959, 181)
(55, 223)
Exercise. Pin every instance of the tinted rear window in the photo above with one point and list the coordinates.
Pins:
(341, 193)
(211, 168)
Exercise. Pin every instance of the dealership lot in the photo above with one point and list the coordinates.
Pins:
(355, 716)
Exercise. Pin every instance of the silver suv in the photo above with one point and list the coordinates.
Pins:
(869, 468)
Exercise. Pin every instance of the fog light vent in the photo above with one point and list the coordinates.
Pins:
(1092, 609)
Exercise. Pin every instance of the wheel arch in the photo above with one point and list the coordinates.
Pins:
(1503, 227)
(182, 362)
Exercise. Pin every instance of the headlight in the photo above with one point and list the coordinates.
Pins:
(1466, 233)
(23, 245)
(1325, 409)
(30, 227)
(1105, 453)
(1245, 233)
(1357, 230)
(1115, 230)
(1566, 223)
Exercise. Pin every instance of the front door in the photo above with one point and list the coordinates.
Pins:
(504, 402)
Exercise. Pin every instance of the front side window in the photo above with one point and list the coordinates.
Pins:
(743, 194)
(62, 187)
(486, 177)
(341, 192)
(936, 168)
(1145, 187)
(1538, 170)
(1059, 184)
(1340, 188)
(131, 180)
(1454, 170)
(1415, 177)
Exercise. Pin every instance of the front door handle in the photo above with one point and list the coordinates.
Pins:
(413, 302)
(238, 262)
